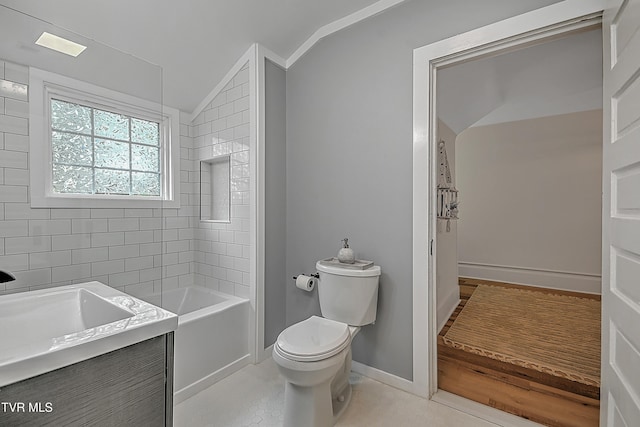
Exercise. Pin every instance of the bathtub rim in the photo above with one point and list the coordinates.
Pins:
(229, 301)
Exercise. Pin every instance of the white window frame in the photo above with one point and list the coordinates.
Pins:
(44, 85)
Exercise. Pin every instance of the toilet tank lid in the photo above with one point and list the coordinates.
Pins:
(341, 269)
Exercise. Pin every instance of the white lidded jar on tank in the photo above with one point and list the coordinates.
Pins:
(348, 292)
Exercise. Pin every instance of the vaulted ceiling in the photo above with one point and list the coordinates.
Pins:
(196, 41)
(556, 77)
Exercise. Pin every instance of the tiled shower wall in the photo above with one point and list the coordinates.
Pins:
(222, 249)
(130, 249)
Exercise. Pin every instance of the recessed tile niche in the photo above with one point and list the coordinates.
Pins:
(215, 189)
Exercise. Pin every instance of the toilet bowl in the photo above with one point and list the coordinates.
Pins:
(314, 356)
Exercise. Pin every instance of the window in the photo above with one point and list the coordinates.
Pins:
(100, 152)
(92, 147)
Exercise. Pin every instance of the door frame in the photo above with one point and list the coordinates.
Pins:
(513, 33)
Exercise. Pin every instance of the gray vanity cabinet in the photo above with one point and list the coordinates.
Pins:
(131, 386)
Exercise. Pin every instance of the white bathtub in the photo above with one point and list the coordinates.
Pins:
(212, 339)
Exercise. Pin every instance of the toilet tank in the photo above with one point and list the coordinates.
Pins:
(347, 293)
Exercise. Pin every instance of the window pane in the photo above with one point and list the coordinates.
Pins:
(70, 117)
(145, 132)
(112, 182)
(112, 154)
(71, 148)
(144, 158)
(95, 151)
(145, 184)
(72, 179)
(111, 125)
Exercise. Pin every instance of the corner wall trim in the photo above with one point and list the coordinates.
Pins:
(322, 32)
(340, 24)
(272, 57)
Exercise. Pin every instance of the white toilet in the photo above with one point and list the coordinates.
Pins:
(314, 356)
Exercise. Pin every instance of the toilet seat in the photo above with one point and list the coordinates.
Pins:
(313, 339)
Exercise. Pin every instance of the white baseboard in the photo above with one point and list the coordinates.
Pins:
(481, 411)
(370, 372)
(206, 382)
(447, 307)
(566, 281)
(383, 377)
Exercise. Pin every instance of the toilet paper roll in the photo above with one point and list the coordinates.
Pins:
(305, 283)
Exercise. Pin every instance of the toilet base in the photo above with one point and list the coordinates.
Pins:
(308, 406)
(341, 402)
(341, 388)
(314, 406)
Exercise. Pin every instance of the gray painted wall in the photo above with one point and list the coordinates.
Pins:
(349, 156)
(275, 201)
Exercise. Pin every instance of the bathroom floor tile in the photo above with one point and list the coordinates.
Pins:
(254, 396)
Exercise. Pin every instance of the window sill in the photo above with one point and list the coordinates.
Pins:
(102, 202)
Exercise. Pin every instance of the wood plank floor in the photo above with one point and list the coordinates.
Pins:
(530, 394)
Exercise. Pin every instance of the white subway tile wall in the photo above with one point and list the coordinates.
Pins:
(136, 250)
(54, 247)
(221, 251)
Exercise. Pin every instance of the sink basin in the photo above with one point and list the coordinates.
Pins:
(51, 328)
(29, 319)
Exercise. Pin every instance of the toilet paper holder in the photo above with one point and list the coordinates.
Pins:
(316, 275)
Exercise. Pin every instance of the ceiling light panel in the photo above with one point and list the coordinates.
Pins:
(60, 44)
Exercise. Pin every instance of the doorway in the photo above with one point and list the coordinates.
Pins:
(524, 132)
(517, 31)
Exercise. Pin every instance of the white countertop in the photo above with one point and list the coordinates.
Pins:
(51, 328)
